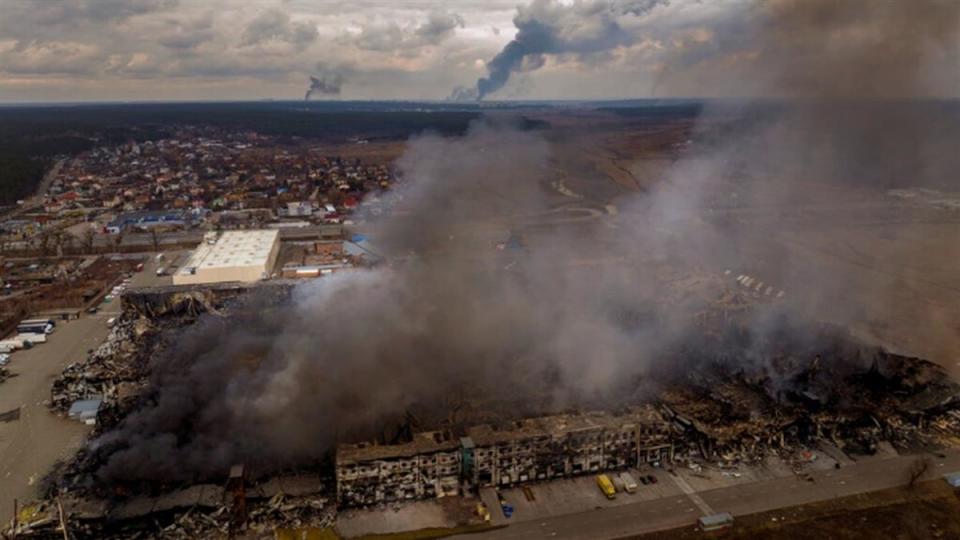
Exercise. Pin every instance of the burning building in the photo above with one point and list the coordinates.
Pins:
(437, 464)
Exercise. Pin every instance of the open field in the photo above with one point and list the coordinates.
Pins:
(928, 510)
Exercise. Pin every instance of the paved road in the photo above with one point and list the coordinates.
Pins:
(678, 511)
(34, 201)
(31, 445)
(47, 181)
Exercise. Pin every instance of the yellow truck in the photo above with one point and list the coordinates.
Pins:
(606, 486)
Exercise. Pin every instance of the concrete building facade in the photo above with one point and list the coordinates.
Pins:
(435, 464)
(246, 256)
(427, 467)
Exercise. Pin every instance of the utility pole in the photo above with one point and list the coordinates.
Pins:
(63, 520)
(16, 515)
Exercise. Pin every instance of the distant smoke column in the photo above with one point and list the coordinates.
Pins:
(328, 84)
(550, 27)
(502, 65)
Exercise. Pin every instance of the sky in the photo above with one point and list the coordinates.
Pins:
(97, 50)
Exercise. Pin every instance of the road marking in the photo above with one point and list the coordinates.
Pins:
(692, 495)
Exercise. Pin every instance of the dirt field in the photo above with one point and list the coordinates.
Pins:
(929, 510)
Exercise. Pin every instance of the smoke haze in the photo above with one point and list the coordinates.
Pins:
(280, 385)
(358, 347)
(855, 113)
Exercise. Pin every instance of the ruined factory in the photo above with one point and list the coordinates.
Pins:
(820, 392)
(437, 464)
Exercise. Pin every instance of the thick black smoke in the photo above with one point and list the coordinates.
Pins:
(353, 350)
(549, 326)
(328, 83)
(548, 27)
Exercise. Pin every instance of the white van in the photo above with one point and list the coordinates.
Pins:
(629, 484)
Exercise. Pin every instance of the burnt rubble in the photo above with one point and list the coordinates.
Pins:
(739, 416)
(198, 511)
(731, 398)
(114, 371)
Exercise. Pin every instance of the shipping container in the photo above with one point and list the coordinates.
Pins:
(715, 522)
(34, 329)
(32, 338)
(51, 322)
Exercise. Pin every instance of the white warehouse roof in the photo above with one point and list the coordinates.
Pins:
(235, 256)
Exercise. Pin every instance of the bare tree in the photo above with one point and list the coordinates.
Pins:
(88, 238)
(44, 242)
(68, 242)
(117, 240)
(58, 240)
(155, 238)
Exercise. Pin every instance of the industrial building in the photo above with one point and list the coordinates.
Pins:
(235, 256)
(436, 464)
(426, 467)
(149, 219)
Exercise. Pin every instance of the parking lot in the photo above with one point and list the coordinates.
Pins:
(30, 445)
(171, 262)
(407, 517)
(580, 494)
(572, 495)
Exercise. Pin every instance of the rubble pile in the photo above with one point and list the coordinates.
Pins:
(727, 394)
(114, 371)
(117, 370)
(743, 415)
(200, 511)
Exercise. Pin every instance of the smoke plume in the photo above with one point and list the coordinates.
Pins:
(556, 324)
(280, 385)
(550, 28)
(327, 83)
(839, 103)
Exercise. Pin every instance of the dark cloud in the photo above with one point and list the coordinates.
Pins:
(439, 26)
(275, 25)
(57, 12)
(392, 37)
(188, 34)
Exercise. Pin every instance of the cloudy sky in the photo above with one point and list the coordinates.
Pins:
(89, 50)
